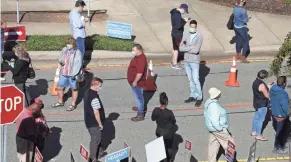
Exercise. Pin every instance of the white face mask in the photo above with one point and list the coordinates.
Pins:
(99, 89)
(133, 53)
(69, 46)
(192, 30)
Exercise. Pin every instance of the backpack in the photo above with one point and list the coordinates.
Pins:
(230, 23)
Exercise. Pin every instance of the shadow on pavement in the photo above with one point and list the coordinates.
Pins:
(203, 72)
(193, 159)
(89, 47)
(108, 133)
(148, 95)
(40, 88)
(52, 145)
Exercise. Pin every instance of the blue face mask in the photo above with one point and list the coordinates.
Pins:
(99, 89)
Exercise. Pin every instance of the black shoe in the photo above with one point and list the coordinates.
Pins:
(190, 99)
(101, 155)
(198, 103)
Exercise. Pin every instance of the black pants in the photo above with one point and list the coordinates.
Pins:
(168, 140)
(95, 143)
(21, 86)
(40, 142)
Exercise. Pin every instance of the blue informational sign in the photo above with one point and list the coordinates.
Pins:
(118, 156)
(118, 30)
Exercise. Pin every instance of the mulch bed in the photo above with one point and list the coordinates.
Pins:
(269, 6)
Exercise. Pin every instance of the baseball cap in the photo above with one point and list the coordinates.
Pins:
(80, 3)
(185, 7)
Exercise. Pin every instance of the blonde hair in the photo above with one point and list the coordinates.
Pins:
(71, 41)
(20, 50)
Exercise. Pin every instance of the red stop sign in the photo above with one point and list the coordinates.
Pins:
(12, 104)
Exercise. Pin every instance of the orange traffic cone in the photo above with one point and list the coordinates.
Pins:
(232, 81)
(53, 90)
(150, 85)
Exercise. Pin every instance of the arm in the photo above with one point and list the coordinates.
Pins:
(76, 19)
(214, 115)
(17, 68)
(3, 24)
(140, 68)
(184, 47)
(179, 22)
(95, 103)
(284, 103)
(154, 115)
(173, 119)
(263, 89)
(196, 49)
(245, 17)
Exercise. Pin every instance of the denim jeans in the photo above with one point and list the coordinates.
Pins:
(192, 70)
(259, 119)
(80, 42)
(138, 94)
(242, 41)
(280, 136)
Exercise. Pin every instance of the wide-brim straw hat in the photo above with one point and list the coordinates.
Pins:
(214, 92)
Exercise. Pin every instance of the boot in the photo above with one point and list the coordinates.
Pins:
(244, 59)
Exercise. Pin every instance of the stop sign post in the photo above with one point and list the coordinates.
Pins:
(12, 105)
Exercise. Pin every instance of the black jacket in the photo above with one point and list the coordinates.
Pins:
(177, 22)
(20, 70)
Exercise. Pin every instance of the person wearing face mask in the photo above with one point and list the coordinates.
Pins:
(241, 32)
(136, 77)
(191, 44)
(27, 133)
(94, 116)
(260, 102)
(70, 64)
(177, 31)
(20, 70)
(280, 113)
(77, 25)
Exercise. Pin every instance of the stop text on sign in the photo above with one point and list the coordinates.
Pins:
(10, 104)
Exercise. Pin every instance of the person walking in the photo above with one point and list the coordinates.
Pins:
(177, 31)
(20, 71)
(241, 32)
(77, 25)
(3, 25)
(191, 45)
(260, 103)
(94, 116)
(136, 77)
(217, 124)
(280, 113)
(166, 121)
(70, 63)
(26, 135)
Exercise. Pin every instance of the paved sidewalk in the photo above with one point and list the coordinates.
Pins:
(151, 23)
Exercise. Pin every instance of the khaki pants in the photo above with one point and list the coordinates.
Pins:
(25, 150)
(217, 139)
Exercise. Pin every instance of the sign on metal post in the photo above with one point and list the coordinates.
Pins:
(252, 152)
(230, 151)
(72, 157)
(17, 11)
(126, 146)
(119, 30)
(188, 149)
(155, 150)
(118, 155)
(16, 33)
(38, 157)
(84, 152)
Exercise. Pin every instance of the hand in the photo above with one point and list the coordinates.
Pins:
(186, 19)
(86, 19)
(101, 126)
(134, 84)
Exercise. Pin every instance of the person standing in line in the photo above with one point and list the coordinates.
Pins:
(260, 103)
(166, 121)
(136, 77)
(191, 45)
(94, 116)
(280, 113)
(77, 24)
(177, 31)
(217, 124)
(26, 135)
(70, 63)
(241, 32)
(3, 25)
(20, 71)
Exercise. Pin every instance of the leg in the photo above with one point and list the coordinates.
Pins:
(279, 129)
(255, 121)
(197, 85)
(21, 87)
(238, 42)
(74, 87)
(63, 82)
(189, 73)
(261, 117)
(245, 39)
(223, 137)
(27, 95)
(81, 45)
(213, 147)
(94, 143)
(176, 40)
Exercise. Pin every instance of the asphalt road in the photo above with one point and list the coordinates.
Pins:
(69, 130)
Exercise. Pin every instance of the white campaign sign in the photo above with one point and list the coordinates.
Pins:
(155, 150)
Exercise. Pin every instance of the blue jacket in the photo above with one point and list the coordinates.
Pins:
(76, 24)
(177, 22)
(215, 116)
(279, 101)
(240, 17)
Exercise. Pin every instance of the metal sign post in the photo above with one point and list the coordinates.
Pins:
(88, 8)
(3, 142)
(188, 149)
(17, 10)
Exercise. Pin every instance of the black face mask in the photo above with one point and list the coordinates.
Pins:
(36, 115)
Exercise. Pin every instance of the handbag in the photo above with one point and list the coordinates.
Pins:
(31, 72)
(230, 23)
